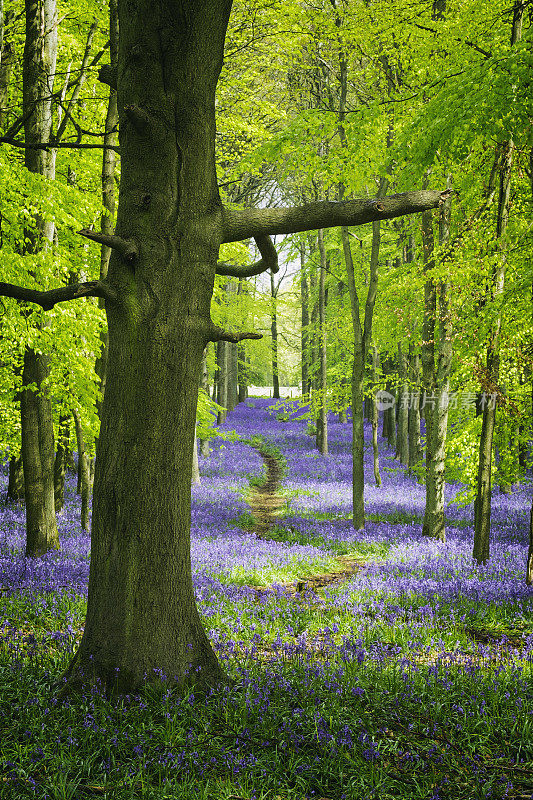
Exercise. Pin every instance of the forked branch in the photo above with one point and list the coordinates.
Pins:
(269, 260)
(48, 299)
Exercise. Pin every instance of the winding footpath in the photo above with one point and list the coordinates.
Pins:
(265, 501)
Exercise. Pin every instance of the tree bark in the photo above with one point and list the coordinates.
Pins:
(36, 410)
(242, 370)
(402, 436)
(15, 486)
(482, 503)
(142, 620)
(83, 471)
(7, 62)
(436, 362)
(322, 386)
(222, 380)
(274, 337)
(38, 459)
(413, 423)
(304, 295)
(391, 437)
(375, 417)
(529, 564)
(233, 375)
(108, 185)
(60, 462)
(204, 384)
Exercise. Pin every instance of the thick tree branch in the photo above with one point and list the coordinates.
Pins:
(126, 248)
(245, 223)
(108, 75)
(48, 299)
(217, 334)
(269, 261)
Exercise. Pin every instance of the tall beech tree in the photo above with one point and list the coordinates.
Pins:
(38, 453)
(142, 619)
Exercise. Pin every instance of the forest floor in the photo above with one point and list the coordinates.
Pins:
(374, 664)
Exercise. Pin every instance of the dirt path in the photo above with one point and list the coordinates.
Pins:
(265, 501)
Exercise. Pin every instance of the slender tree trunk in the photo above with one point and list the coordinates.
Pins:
(529, 564)
(385, 427)
(7, 62)
(357, 386)
(204, 384)
(322, 387)
(15, 486)
(36, 411)
(391, 437)
(222, 380)
(482, 504)
(232, 376)
(313, 328)
(304, 292)
(60, 462)
(242, 372)
(402, 439)
(85, 478)
(413, 423)
(436, 364)
(38, 459)
(375, 417)
(274, 332)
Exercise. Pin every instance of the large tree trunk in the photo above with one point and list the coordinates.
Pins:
(36, 410)
(142, 620)
(322, 386)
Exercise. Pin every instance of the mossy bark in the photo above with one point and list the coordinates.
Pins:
(170, 56)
